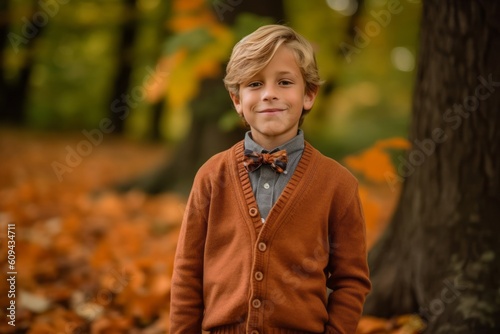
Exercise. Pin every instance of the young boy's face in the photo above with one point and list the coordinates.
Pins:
(272, 101)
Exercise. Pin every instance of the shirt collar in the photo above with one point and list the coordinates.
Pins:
(296, 144)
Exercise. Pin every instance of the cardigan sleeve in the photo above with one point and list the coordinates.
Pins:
(186, 298)
(348, 268)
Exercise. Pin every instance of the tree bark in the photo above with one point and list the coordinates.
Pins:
(14, 93)
(4, 30)
(440, 255)
(124, 57)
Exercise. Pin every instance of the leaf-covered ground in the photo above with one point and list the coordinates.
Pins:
(85, 262)
(90, 260)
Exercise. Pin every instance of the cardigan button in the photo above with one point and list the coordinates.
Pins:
(259, 276)
(262, 246)
(256, 303)
(253, 212)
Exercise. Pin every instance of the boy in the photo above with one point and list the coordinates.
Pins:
(271, 223)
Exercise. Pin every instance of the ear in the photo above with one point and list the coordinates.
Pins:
(309, 99)
(236, 103)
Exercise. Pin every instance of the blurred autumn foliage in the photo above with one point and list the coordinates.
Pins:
(86, 262)
(90, 260)
(101, 262)
(378, 193)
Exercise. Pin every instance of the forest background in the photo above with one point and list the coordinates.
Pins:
(98, 97)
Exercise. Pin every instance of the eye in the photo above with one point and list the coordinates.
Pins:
(285, 82)
(254, 84)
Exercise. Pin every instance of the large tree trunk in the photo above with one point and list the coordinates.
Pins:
(440, 255)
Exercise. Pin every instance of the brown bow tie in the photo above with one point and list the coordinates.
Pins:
(276, 160)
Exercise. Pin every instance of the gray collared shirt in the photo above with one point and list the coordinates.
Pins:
(268, 185)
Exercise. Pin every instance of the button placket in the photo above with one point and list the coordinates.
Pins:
(256, 305)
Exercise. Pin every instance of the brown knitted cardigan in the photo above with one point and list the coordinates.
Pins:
(234, 274)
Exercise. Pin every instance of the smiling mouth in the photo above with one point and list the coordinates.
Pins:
(270, 111)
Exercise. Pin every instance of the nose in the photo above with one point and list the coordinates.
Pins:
(269, 93)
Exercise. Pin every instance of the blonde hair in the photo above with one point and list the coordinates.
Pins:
(252, 53)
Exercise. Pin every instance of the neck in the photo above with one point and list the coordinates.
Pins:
(269, 142)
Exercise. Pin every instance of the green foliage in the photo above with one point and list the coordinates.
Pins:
(193, 41)
(248, 22)
(366, 96)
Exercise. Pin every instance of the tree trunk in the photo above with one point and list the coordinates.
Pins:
(440, 255)
(4, 30)
(14, 93)
(205, 137)
(124, 69)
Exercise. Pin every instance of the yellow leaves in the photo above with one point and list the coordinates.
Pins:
(191, 67)
(197, 49)
(188, 15)
(184, 6)
(372, 210)
(183, 84)
(372, 166)
(198, 55)
(185, 81)
(181, 22)
(374, 163)
(394, 143)
(404, 324)
(166, 65)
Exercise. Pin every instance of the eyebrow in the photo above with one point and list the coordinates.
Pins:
(280, 73)
(286, 73)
